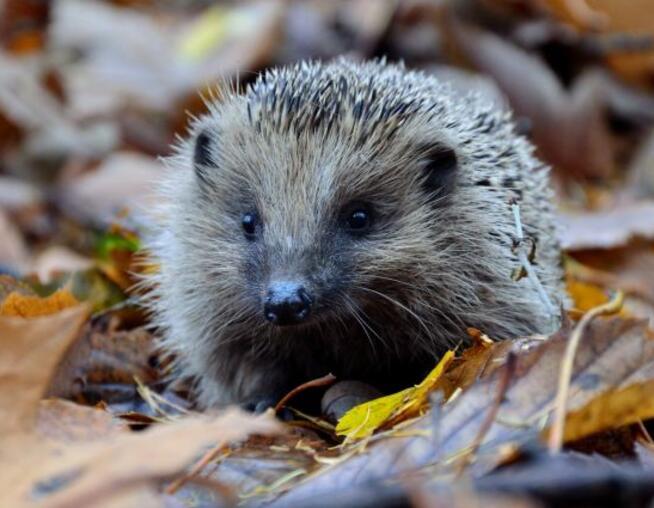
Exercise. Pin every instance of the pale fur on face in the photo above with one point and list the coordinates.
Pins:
(298, 147)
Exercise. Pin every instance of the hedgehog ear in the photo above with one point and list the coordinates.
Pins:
(202, 157)
(440, 168)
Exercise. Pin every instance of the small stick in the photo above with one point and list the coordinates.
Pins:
(491, 416)
(208, 457)
(526, 264)
(314, 383)
(644, 432)
(556, 434)
(226, 491)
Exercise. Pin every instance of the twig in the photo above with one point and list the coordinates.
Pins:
(556, 434)
(526, 264)
(314, 383)
(274, 486)
(491, 416)
(644, 432)
(313, 421)
(224, 490)
(209, 456)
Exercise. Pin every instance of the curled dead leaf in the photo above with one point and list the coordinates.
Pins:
(31, 350)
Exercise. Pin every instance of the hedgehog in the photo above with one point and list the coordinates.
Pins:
(352, 218)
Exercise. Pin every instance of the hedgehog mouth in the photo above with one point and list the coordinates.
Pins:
(334, 318)
(340, 314)
(321, 316)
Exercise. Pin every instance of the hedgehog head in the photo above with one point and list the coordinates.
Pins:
(317, 193)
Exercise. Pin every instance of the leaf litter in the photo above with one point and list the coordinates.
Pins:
(80, 461)
(91, 412)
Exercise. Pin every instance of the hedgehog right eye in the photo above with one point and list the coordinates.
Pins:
(357, 219)
(249, 222)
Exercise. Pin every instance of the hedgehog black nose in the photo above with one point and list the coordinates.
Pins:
(287, 303)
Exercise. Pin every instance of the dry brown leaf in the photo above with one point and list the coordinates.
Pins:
(633, 17)
(24, 26)
(567, 125)
(80, 472)
(17, 304)
(630, 269)
(104, 356)
(145, 61)
(609, 228)
(612, 409)
(63, 421)
(132, 460)
(31, 350)
(608, 17)
(124, 179)
(475, 363)
(578, 13)
(65, 464)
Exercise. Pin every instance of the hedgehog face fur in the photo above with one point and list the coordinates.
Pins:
(352, 218)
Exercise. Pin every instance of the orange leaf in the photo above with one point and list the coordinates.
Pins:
(586, 295)
(17, 304)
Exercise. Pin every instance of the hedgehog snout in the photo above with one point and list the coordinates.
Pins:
(287, 303)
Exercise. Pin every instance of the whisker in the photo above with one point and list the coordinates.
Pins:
(400, 305)
(363, 325)
(420, 301)
(393, 342)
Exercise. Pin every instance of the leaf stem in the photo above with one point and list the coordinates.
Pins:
(557, 433)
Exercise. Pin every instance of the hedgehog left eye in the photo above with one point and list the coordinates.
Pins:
(249, 223)
(358, 220)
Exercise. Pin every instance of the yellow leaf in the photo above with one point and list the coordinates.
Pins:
(17, 304)
(212, 29)
(361, 421)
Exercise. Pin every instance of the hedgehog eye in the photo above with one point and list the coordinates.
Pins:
(358, 219)
(249, 222)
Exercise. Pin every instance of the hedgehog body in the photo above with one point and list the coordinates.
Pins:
(346, 218)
